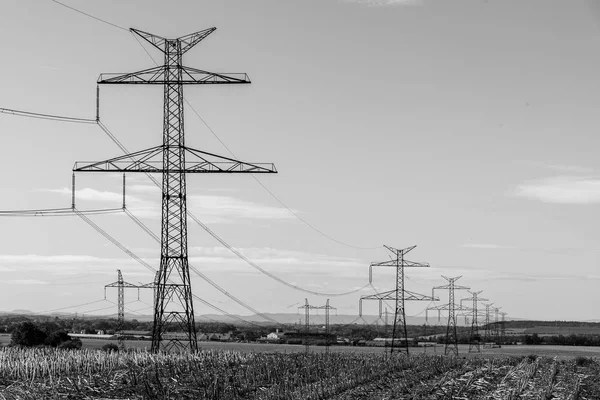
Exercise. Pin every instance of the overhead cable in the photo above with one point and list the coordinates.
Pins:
(200, 274)
(76, 306)
(149, 267)
(223, 143)
(90, 15)
(52, 117)
(277, 199)
(57, 212)
(223, 242)
(264, 271)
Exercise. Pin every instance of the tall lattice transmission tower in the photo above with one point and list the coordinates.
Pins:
(474, 336)
(398, 295)
(503, 327)
(451, 344)
(173, 308)
(487, 335)
(120, 284)
(327, 309)
(497, 325)
(307, 307)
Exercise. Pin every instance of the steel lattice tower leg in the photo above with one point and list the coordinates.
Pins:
(174, 275)
(503, 328)
(327, 326)
(399, 295)
(121, 285)
(496, 325)
(400, 316)
(474, 339)
(451, 336)
(120, 310)
(307, 324)
(487, 337)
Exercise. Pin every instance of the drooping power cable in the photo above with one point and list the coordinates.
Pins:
(200, 274)
(149, 267)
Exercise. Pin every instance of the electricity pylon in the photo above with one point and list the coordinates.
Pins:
(474, 337)
(399, 295)
(326, 307)
(503, 327)
(451, 335)
(487, 336)
(307, 307)
(497, 325)
(120, 284)
(173, 308)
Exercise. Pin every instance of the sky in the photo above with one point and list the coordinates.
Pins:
(467, 128)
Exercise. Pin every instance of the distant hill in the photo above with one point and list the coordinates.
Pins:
(21, 312)
(341, 319)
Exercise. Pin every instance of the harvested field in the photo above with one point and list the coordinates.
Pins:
(54, 374)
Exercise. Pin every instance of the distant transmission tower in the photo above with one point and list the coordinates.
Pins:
(496, 325)
(173, 308)
(120, 284)
(307, 307)
(451, 335)
(474, 337)
(487, 336)
(399, 295)
(327, 307)
(503, 328)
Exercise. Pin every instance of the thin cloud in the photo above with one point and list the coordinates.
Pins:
(564, 189)
(63, 264)
(227, 209)
(143, 188)
(278, 261)
(267, 255)
(209, 208)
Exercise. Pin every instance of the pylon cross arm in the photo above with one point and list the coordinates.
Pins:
(160, 76)
(124, 284)
(411, 296)
(150, 160)
(389, 295)
(396, 251)
(412, 264)
(187, 41)
(456, 287)
(389, 263)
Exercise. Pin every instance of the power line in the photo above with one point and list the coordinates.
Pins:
(270, 275)
(277, 199)
(61, 212)
(90, 15)
(150, 268)
(70, 211)
(51, 117)
(221, 240)
(200, 274)
(76, 306)
(57, 212)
